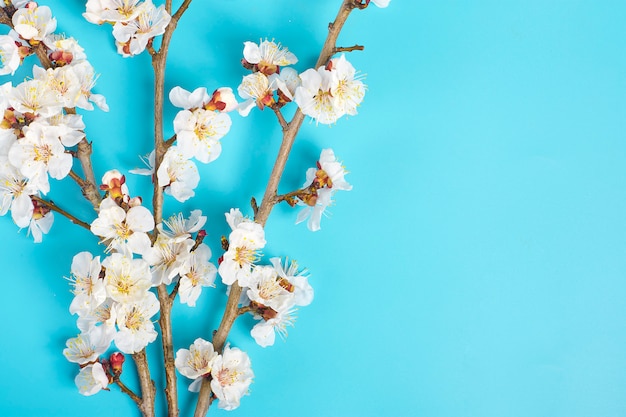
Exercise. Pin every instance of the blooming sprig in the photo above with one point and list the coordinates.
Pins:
(135, 23)
(202, 122)
(132, 37)
(231, 372)
(245, 241)
(197, 361)
(266, 57)
(271, 82)
(274, 292)
(330, 91)
(318, 190)
(33, 22)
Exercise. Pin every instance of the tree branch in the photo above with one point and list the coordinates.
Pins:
(165, 321)
(159, 60)
(269, 198)
(147, 385)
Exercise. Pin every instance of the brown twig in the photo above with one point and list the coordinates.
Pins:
(170, 141)
(165, 321)
(290, 195)
(244, 310)
(172, 295)
(348, 48)
(269, 198)
(147, 385)
(128, 391)
(52, 206)
(281, 118)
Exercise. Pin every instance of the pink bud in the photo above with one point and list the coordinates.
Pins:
(117, 360)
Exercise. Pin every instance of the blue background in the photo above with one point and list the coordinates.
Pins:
(476, 269)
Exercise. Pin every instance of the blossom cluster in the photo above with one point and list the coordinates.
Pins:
(325, 94)
(135, 23)
(113, 298)
(319, 188)
(271, 291)
(231, 373)
(39, 125)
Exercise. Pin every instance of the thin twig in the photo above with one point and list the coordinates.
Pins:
(128, 391)
(76, 178)
(172, 295)
(165, 321)
(244, 310)
(348, 48)
(170, 141)
(281, 118)
(52, 206)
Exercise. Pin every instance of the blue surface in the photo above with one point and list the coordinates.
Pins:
(476, 269)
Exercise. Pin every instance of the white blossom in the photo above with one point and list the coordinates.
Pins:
(168, 258)
(196, 361)
(135, 326)
(9, 55)
(70, 128)
(178, 228)
(15, 192)
(64, 50)
(245, 242)
(198, 132)
(381, 3)
(88, 289)
(132, 36)
(91, 379)
(39, 153)
(34, 22)
(264, 332)
(268, 56)
(100, 11)
(35, 96)
(40, 224)
(126, 279)
(178, 175)
(347, 90)
(123, 229)
(256, 90)
(302, 291)
(333, 173)
(103, 315)
(87, 347)
(232, 375)
(61, 80)
(267, 288)
(87, 79)
(201, 273)
(314, 98)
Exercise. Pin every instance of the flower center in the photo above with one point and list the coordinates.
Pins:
(245, 256)
(43, 153)
(134, 319)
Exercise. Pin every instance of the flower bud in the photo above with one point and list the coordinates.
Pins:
(116, 360)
